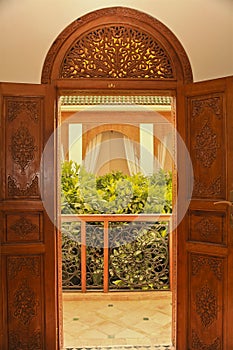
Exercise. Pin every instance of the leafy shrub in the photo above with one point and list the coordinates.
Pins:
(114, 193)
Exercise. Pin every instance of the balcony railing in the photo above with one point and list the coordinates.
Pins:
(111, 252)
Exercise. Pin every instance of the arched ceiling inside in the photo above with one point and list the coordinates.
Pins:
(28, 28)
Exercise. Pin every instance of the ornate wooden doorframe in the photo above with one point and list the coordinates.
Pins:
(114, 50)
(118, 49)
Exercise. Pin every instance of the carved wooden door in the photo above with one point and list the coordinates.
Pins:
(205, 237)
(28, 244)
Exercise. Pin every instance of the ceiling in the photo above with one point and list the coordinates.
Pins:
(28, 29)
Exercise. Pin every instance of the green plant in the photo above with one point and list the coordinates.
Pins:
(114, 193)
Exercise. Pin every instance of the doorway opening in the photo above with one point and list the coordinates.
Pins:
(117, 165)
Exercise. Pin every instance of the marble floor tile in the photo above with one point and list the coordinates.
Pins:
(116, 319)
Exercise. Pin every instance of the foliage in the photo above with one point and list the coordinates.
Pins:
(142, 262)
(114, 193)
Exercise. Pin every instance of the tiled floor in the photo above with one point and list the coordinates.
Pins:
(124, 347)
(114, 319)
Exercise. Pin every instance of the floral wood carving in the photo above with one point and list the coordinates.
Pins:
(206, 305)
(200, 345)
(206, 146)
(25, 303)
(29, 108)
(33, 342)
(206, 228)
(24, 227)
(31, 189)
(204, 190)
(119, 12)
(16, 264)
(117, 52)
(22, 148)
(215, 264)
(213, 103)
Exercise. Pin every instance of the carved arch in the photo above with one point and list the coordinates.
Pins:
(135, 46)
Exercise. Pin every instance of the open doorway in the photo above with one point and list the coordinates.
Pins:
(118, 170)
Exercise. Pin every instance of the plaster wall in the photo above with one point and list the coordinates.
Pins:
(29, 27)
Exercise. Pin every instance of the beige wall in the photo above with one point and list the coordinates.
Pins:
(28, 28)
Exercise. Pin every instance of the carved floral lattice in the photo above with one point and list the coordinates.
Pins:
(206, 146)
(24, 227)
(25, 303)
(206, 305)
(110, 16)
(23, 147)
(117, 52)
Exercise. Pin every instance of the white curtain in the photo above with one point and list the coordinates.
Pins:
(162, 153)
(92, 153)
(163, 150)
(62, 153)
(131, 156)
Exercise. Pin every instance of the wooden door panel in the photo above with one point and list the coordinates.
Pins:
(207, 227)
(28, 241)
(207, 144)
(25, 299)
(205, 243)
(23, 142)
(23, 227)
(206, 301)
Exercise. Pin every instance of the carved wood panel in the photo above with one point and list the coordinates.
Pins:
(25, 302)
(23, 139)
(206, 303)
(207, 227)
(135, 46)
(118, 51)
(23, 227)
(207, 145)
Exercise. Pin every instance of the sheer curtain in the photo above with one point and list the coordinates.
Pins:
(92, 153)
(163, 151)
(131, 156)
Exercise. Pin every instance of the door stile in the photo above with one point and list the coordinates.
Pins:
(53, 321)
(181, 315)
(229, 156)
